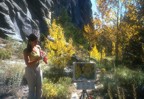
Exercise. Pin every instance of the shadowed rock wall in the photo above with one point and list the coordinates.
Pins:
(19, 18)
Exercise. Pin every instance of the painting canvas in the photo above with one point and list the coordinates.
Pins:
(84, 71)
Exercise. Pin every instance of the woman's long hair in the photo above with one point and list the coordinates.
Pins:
(31, 37)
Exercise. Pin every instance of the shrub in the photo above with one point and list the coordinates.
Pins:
(127, 76)
(11, 48)
(5, 54)
(18, 51)
(59, 51)
(49, 90)
(123, 82)
(57, 90)
(10, 77)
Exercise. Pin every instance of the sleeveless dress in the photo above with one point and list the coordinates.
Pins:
(33, 75)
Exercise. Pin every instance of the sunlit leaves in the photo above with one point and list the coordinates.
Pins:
(94, 53)
(60, 51)
(89, 33)
(92, 36)
(97, 23)
(132, 12)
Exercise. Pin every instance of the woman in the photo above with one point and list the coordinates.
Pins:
(33, 73)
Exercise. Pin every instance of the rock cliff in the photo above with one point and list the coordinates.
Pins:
(19, 18)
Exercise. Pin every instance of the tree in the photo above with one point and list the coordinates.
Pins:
(71, 31)
(59, 51)
(132, 28)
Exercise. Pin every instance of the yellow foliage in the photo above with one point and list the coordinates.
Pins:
(132, 14)
(88, 29)
(60, 51)
(94, 53)
(129, 31)
(49, 90)
(90, 33)
(97, 22)
(114, 47)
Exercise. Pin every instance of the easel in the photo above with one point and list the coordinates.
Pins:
(83, 82)
(84, 94)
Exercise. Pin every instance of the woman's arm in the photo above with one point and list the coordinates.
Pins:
(27, 59)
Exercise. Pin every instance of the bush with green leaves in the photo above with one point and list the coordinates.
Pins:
(56, 84)
(5, 53)
(127, 76)
(123, 82)
(10, 76)
(57, 90)
(12, 48)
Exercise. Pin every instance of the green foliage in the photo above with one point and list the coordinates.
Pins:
(10, 76)
(57, 90)
(54, 74)
(128, 76)
(11, 48)
(18, 50)
(71, 31)
(5, 53)
(125, 76)
(122, 82)
(56, 84)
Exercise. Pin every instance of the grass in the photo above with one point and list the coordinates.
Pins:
(12, 67)
(122, 83)
(11, 76)
(5, 54)
(11, 48)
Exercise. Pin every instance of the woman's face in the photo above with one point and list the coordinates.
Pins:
(33, 43)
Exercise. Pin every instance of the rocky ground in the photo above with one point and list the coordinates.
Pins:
(21, 92)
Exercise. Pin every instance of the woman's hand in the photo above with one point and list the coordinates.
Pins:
(43, 56)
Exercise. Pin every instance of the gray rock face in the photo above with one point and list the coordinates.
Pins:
(19, 18)
(79, 10)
